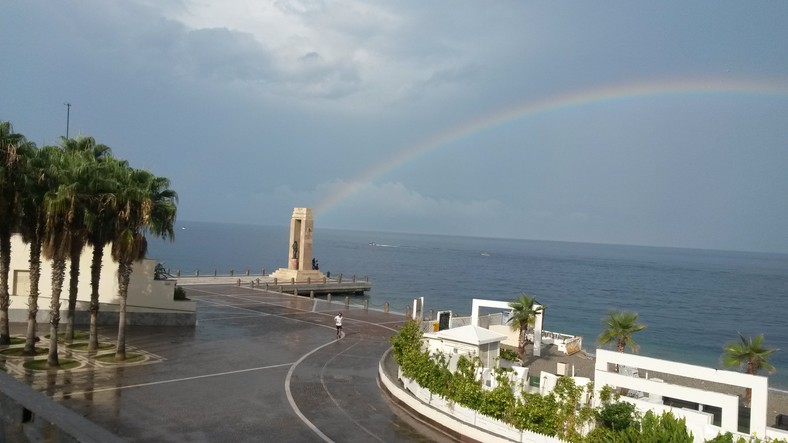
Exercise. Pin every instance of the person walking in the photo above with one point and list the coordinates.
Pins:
(338, 321)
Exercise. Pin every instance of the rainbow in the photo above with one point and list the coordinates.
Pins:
(544, 106)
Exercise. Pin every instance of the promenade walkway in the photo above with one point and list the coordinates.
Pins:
(258, 366)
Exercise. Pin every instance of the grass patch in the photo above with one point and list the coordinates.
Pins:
(78, 335)
(42, 365)
(83, 347)
(18, 340)
(20, 352)
(130, 358)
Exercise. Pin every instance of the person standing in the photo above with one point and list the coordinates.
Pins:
(338, 321)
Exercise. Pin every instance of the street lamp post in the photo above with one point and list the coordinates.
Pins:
(68, 116)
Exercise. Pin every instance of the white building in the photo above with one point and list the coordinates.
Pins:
(470, 341)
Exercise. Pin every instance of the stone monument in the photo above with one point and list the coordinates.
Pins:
(299, 262)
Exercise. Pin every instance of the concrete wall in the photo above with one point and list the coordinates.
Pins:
(149, 301)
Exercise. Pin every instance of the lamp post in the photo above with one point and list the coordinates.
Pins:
(68, 116)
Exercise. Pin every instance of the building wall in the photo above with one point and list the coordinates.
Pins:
(146, 296)
(604, 375)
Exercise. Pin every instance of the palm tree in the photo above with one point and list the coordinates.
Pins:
(749, 354)
(100, 221)
(621, 326)
(524, 311)
(61, 208)
(39, 179)
(146, 205)
(13, 147)
(89, 183)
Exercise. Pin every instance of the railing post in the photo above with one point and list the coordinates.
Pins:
(354, 278)
(328, 298)
(292, 281)
(251, 283)
(232, 272)
(239, 282)
(366, 305)
(407, 312)
(263, 274)
(266, 286)
(275, 281)
(324, 279)
(179, 273)
(295, 291)
(281, 289)
(309, 280)
(386, 307)
(258, 282)
(311, 295)
(347, 301)
(198, 273)
(340, 279)
(247, 272)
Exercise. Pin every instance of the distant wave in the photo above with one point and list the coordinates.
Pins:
(383, 246)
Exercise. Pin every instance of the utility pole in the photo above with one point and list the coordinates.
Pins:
(68, 116)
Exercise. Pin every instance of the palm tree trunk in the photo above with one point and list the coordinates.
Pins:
(521, 341)
(32, 299)
(95, 277)
(124, 276)
(73, 289)
(58, 274)
(5, 265)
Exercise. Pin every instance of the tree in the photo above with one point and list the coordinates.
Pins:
(100, 222)
(89, 183)
(621, 326)
(524, 311)
(146, 205)
(13, 147)
(39, 179)
(749, 354)
(61, 206)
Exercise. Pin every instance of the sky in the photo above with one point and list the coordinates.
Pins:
(645, 123)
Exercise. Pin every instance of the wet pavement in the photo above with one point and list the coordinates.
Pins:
(258, 366)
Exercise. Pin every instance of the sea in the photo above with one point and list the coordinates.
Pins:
(692, 301)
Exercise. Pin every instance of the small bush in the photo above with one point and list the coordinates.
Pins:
(180, 293)
(617, 416)
(508, 354)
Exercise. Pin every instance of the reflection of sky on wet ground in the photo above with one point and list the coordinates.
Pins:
(75, 381)
(234, 366)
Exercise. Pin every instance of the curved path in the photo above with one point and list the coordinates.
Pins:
(258, 366)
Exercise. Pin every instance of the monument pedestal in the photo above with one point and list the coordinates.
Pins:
(286, 275)
(302, 226)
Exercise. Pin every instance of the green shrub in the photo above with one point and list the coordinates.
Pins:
(508, 354)
(729, 438)
(617, 416)
(536, 413)
(180, 293)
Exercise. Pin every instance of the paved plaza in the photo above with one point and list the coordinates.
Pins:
(258, 366)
